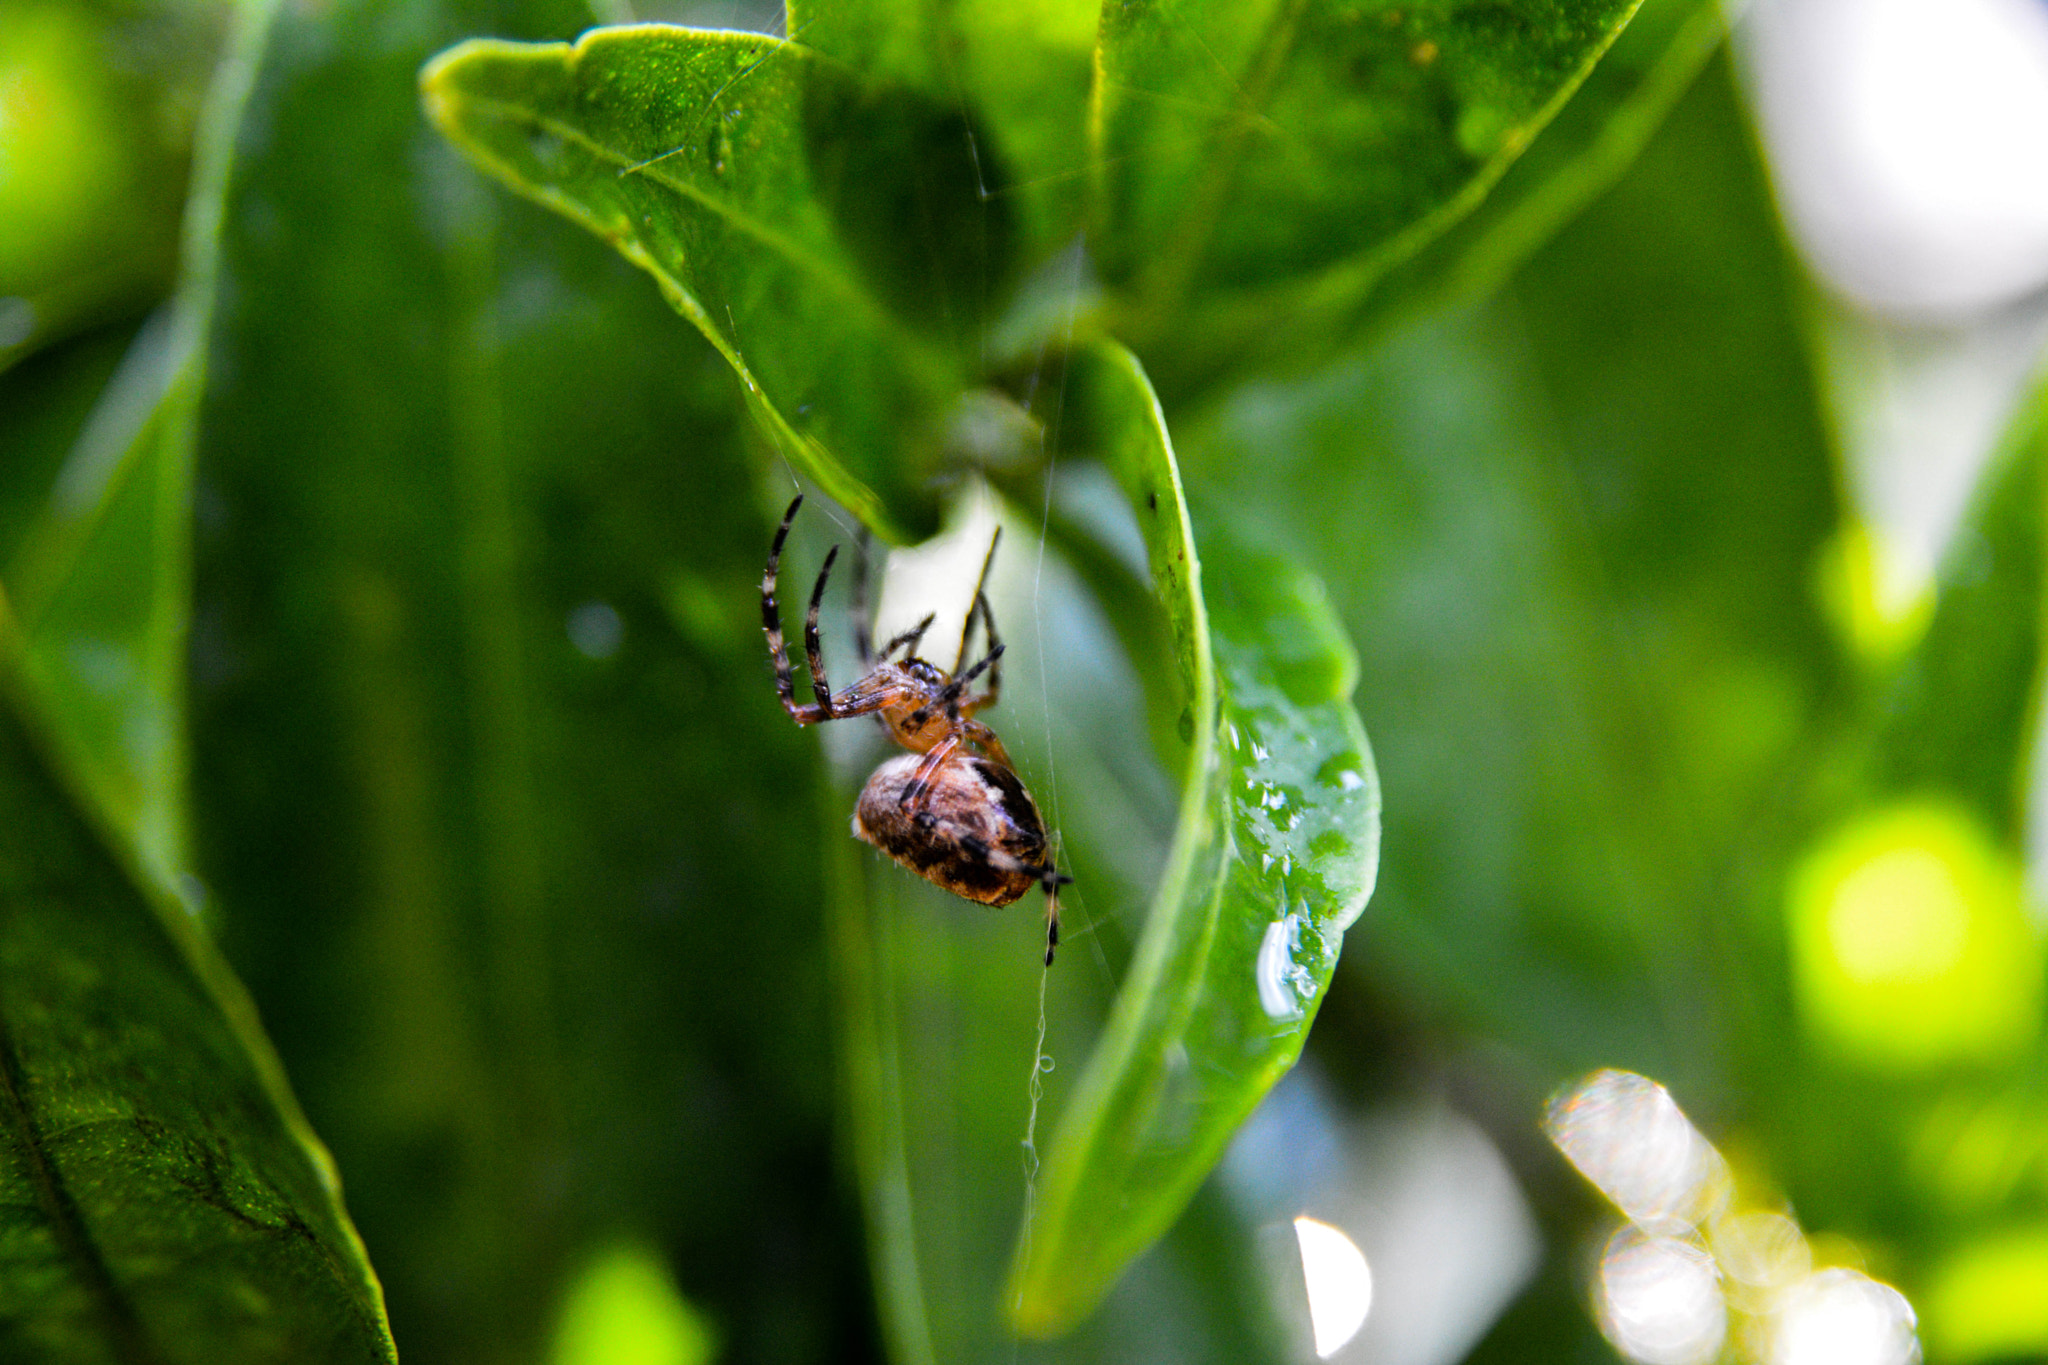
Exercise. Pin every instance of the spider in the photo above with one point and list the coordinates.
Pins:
(959, 819)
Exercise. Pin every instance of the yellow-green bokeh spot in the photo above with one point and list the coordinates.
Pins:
(59, 167)
(1911, 947)
(624, 1310)
(1878, 598)
(1990, 1300)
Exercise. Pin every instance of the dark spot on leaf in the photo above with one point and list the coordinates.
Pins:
(1329, 844)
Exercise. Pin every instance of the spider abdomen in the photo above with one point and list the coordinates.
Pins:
(975, 831)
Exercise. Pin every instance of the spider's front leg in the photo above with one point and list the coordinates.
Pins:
(771, 626)
(826, 706)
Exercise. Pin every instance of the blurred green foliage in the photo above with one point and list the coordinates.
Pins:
(381, 619)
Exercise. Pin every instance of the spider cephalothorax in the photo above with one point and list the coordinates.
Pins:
(958, 818)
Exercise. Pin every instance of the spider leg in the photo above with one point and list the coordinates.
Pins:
(813, 653)
(985, 739)
(771, 624)
(919, 786)
(995, 662)
(908, 638)
(979, 603)
(1051, 883)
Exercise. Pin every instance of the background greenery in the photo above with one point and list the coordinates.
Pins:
(380, 555)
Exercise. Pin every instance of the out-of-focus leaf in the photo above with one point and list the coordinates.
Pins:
(1274, 856)
(716, 161)
(498, 815)
(1253, 160)
(101, 581)
(1017, 70)
(166, 1201)
(1573, 533)
(1982, 644)
(1935, 771)
(45, 402)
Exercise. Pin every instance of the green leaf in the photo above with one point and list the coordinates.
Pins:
(762, 186)
(1574, 533)
(1591, 143)
(1253, 161)
(1273, 857)
(166, 1202)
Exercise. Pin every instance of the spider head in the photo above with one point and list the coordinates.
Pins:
(924, 673)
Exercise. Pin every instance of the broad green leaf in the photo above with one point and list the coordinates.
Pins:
(767, 192)
(1273, 857)
(165, 1199)
(1251, 161)
(1575, 533)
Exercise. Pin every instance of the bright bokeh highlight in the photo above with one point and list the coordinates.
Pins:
(1339, 1283)
(1879, 591)
(58, 168)
(1697, 1278)
(1626, 1135)
(1905, 141)
(1911, 946)
(1660, 1299)
(624, 1310)
(1843, 1317)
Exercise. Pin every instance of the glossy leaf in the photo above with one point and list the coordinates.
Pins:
(754, 181)
(1273, 857)
(165, 1199)
(1250, 161)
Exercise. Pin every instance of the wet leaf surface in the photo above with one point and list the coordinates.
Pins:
(1274, 855)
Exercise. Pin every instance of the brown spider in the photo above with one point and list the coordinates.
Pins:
(959, 819)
